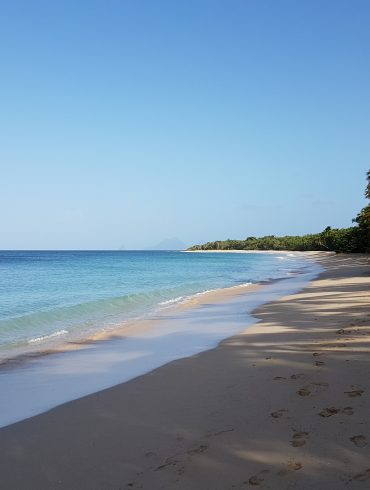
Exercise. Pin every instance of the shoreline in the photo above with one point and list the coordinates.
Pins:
(131, 326)
(312, 253)
(111, 358)
(58, 344)
(282, 405)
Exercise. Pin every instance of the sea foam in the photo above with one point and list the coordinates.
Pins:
(52, 380)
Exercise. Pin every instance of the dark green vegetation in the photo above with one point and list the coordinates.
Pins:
(353, 239)
(363, 218)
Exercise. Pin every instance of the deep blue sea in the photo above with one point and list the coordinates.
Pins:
(58, 295)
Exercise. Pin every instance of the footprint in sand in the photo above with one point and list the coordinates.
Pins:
(319, 363)
(354, 393)
(256, 480)
(359, 441)
(365, 476)
(198, 450)
(295, 466)
(278, 413)
(291, 466)
(298, 376)
(278, 378)
(342, 331)
(304, 392)
(312, 388)
(299, 439)
(347, 411)
(329, 412)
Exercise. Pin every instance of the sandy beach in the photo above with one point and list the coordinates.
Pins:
(284, 405)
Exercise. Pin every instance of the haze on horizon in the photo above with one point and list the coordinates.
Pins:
(128, 123)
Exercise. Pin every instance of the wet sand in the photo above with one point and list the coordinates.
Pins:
(284, 405)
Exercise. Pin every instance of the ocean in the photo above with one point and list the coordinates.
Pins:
(49, 297)
(148, 309)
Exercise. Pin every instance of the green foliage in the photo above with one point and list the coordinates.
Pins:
(363, 218)
(354, 239)
(338, 240)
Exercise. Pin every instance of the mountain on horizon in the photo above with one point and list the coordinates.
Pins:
(169, 244)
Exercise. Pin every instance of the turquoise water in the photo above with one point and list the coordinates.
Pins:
(48, 298)
(52, 295)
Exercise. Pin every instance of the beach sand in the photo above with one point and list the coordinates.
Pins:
(284, 405)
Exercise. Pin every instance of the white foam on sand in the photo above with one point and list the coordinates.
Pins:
(46, 337)
(39, 384)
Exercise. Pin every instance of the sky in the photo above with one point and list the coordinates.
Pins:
(127, 122)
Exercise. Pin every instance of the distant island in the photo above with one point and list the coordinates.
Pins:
(173, 243)
(349, 240)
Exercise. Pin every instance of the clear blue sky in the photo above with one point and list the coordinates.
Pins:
(128, 122)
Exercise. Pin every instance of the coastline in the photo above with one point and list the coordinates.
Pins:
(55, 344)
(244, 413)
(34, 384)
(306, 254)
(65, 341)
(236, 251)
(129, 327)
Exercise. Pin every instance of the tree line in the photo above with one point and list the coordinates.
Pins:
(347, 240)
